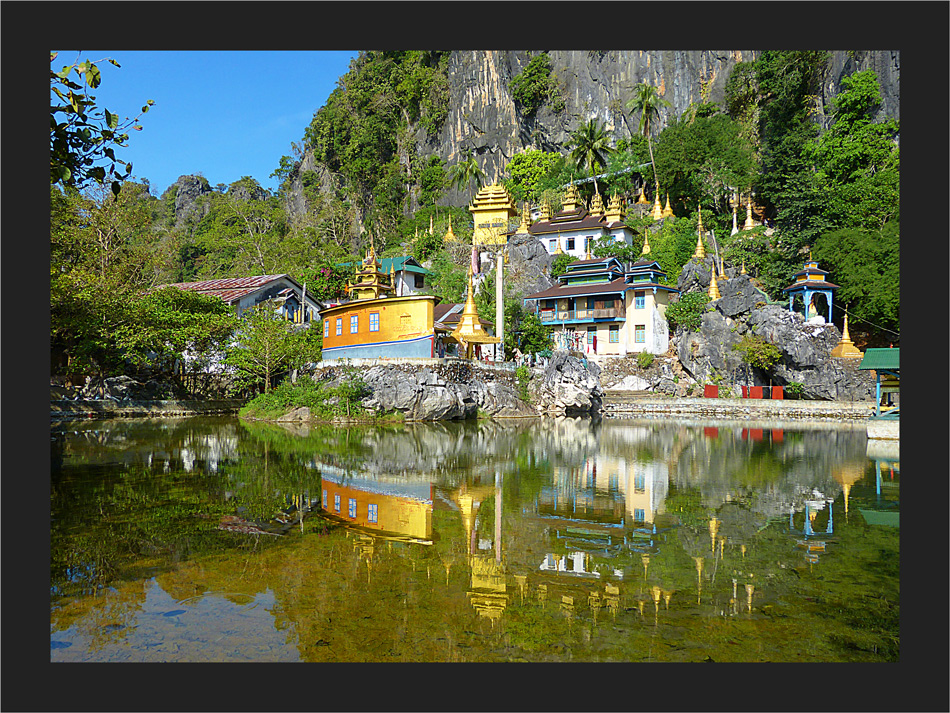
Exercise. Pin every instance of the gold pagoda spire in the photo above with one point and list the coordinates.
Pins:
(570, 199)
(722, 269)
(524, 227)
(657, 208)
(845, 348)
(646, 245)
(749, 222)
(743, 267)
(700, 252)
(642, 199)
(587, 255)
(449, 235)
(545, 211)
(469, 329)
(713, 285)
(597, 205)
(668, 211)
(615, 210)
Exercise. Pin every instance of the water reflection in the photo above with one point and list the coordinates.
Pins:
(542, 531)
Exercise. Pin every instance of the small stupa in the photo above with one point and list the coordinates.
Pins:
(449, 236)
(700, 252)
(470, 330)
(749, 222)
(845, 347)
(657, 212)
(667, 211)
(646, 245)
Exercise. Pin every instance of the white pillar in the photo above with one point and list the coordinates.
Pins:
(499, 306)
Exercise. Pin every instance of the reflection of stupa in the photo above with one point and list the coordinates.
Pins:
(489, 591)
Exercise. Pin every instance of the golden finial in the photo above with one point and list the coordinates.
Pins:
(845, 347)
(646, 245)
(587, 256)
(668, 211)
(722, 269)
(642, 199)
(431, 225)
(743, 267)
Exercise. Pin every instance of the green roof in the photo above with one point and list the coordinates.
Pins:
(402, 263)
(881, 359)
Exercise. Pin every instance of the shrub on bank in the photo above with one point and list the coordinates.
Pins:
(325, 402)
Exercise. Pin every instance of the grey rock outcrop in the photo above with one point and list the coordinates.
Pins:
(529, 266)
(569, 386)
(440, 393)
(708, 353)
(190, 208)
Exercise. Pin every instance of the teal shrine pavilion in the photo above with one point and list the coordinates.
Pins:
(809, 283)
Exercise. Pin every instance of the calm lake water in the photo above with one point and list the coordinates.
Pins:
(212, 539)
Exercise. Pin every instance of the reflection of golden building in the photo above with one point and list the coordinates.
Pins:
(389, 509)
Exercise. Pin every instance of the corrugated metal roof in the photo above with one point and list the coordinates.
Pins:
(230, 289)
(880, 359)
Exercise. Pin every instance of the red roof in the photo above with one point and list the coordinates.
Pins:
(229, 289)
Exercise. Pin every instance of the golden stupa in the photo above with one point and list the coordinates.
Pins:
(749, 222)
(845, 347)
(667, 211)
(525, 221)
(713, 285)
(657, 212)
(449, 236)
(700, 252)
(470, 330)
(642, 199)
(646, 245)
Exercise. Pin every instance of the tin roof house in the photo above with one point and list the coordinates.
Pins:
(244, 293)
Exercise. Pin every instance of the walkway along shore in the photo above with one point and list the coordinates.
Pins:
(107, 408)
(629, 404)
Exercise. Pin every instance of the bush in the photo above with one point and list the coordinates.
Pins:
(523, 377)
(757, 352)
(687, 312)
(325, 402)
(644, 360)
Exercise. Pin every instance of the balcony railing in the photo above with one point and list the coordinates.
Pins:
(570, 315)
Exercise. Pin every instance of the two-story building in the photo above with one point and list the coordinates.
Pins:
(601, 307)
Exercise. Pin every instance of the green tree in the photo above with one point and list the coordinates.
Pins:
(529, 173)
(866, 266)
(266, 345)
(536, 85)
(534, 335)
(169, 326)
(81, 136)
(590, 148)
(560, 263)
(687, 312)
(757, 352)
(466, 172)
(647, 102)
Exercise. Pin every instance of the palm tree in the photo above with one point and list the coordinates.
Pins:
(466, 172)
(647, 103)
(590, 148)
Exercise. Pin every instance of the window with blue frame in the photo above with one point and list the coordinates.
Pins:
(570, 243)
(324, 499)
(373, 512)
(552, 245)
(339, 326)
(639, 300)
(354, 324)
(326, 328)
(352, 507)
(639, 483)
(374, 321)
(591, 334)
(614, 333)
(336, 502)
(639, 515)
(590, 303)
(640, 334)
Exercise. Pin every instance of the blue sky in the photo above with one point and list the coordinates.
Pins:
(223, 114)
